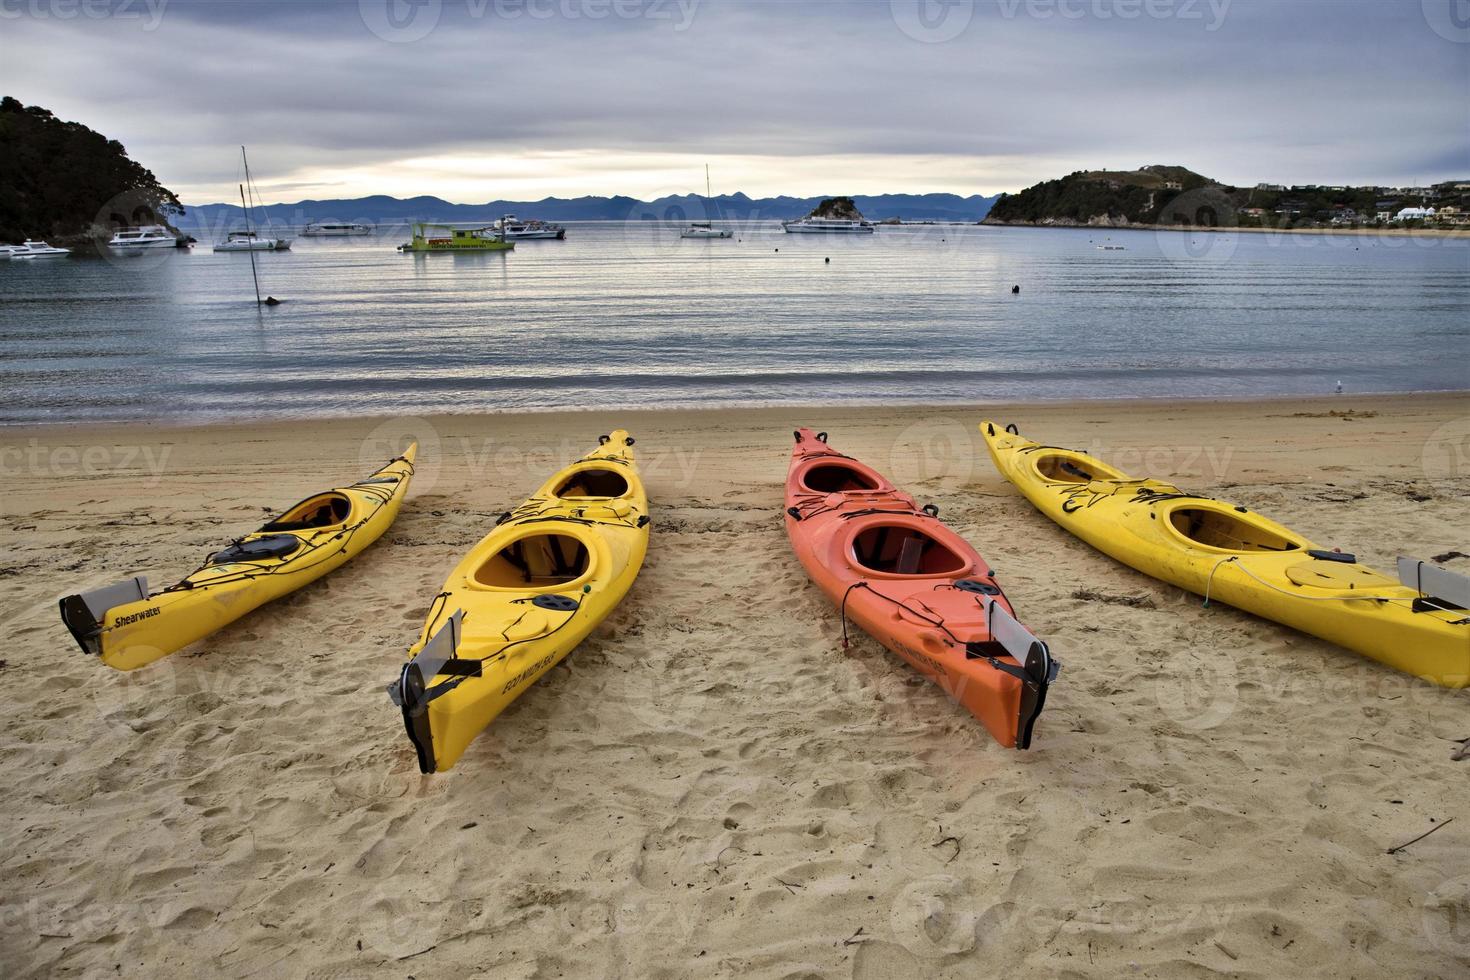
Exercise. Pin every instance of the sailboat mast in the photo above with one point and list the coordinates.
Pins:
(246, 208)
(706, 182)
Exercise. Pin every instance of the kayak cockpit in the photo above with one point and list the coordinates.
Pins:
(1065, 467)
(838, 477)
(1226, 531)
(898, 549)
(595, 482)
(323, 510)
(535, 561)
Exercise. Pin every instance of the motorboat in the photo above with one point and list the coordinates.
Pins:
(514, 230)
(146, 236)
(829, 226)
(38, 250)
(324, 229)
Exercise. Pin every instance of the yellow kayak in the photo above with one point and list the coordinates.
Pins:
(1417, 623)
(522, 599)
(128, 628)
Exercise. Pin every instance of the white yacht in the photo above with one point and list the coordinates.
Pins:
(146, 236)
(38, 250)
(6, 251)
(249, 241)
(705, 229)
(828, 226)
(324, 229)
(512, 229)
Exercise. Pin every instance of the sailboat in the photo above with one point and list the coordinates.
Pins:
(247, 239)
(705, 229)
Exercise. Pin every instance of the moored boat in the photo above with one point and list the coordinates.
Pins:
(891, 567)
(248, 241)
(144, 236)
(704, 229)
(326, 229)
(513, 229)
(34, 249)
(829, 226)
(484, 239)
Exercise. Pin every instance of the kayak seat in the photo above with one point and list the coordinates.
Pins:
(1075, 469)
(1227, 532)
(323, 510)
(910, 553)
(593, 483)
(899, 550)
(836, 478)
(536, 560)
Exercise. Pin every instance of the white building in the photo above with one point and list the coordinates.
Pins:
(1414, 214)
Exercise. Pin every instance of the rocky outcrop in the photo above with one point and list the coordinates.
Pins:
(843, 208)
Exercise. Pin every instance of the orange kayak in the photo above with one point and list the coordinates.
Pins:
(915, 586)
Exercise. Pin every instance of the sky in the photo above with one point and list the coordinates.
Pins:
(475, 100)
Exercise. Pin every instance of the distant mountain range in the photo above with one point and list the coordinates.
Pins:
(381, 209)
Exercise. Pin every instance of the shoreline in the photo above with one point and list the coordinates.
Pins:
(1446, 233)
(849, 409)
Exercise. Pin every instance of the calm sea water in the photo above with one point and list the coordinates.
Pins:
(630, 315)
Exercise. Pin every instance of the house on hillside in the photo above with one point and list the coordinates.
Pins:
(1414, 214)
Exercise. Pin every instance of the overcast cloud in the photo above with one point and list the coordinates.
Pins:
(478, 99)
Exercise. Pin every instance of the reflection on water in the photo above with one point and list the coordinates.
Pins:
(632, 315)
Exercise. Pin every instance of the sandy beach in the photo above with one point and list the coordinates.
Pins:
(711, 786)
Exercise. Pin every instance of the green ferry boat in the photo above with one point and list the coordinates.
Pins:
(446, 238)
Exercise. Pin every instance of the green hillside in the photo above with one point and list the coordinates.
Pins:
(1167, 195)
(59, 180)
